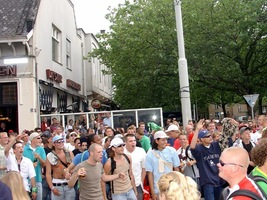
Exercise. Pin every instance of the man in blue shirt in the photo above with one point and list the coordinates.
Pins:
(160, 160)
(207, 155)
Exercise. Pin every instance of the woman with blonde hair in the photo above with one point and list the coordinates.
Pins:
(14, 181)
(176, 186)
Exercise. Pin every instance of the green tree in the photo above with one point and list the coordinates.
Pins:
(225, 44)
(141, 53)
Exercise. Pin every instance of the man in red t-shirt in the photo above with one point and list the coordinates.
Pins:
(233, 166)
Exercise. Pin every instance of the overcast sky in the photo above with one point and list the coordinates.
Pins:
(90, 14)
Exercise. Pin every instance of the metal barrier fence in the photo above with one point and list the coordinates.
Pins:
(117, 119)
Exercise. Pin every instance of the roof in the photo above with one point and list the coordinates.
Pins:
(16, 16)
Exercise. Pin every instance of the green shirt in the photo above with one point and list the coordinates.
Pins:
(257, 172)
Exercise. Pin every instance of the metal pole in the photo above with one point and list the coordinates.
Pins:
(36, 54)
(182, 63)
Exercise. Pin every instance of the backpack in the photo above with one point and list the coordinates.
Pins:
(113, 167)
(257, 179)
(246, 193)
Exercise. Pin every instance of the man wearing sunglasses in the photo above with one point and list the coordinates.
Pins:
(57, 162)
(121, 188)
(207, 156)
(233, 165)
(35, 152)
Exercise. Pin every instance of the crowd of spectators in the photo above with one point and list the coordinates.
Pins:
(208, 159)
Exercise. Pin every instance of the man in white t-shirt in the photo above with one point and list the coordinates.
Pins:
(17, 162)
(138, 156)
(262, 122)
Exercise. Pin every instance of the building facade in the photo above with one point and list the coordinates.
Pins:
(236, 111)
(42, 65)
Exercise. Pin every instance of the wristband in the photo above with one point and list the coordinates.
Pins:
(35, 190)
(53, 187)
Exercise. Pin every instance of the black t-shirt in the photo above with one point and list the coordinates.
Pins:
(76, 151)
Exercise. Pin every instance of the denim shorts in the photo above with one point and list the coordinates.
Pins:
(125, 196)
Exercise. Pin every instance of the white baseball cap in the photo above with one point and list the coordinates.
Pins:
(160, 134)
(116, 142)
(172, 127)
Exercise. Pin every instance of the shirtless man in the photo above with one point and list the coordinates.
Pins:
(57, 161)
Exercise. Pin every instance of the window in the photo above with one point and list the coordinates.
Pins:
(9, 94)
(68, 54)
(56, 38)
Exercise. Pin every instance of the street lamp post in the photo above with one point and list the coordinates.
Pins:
(182, 63)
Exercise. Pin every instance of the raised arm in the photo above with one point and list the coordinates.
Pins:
(199, 126)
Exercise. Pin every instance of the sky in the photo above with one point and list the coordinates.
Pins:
(90, 14)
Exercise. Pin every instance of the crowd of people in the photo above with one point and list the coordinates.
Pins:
(208, 159)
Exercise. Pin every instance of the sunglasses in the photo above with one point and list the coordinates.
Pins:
(59, 141)
(121, 145)
(223, 163)
(73, 135)
(207, 136)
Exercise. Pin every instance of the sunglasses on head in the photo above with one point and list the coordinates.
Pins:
(121, 145)
(223, 163)
(59, 141)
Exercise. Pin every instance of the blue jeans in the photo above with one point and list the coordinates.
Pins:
(211, 192)
(46, 190)
(40, 191)
(125, 196)
(139, 192)
(66, 193)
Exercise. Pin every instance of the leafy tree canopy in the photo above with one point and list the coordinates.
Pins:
(226, 49)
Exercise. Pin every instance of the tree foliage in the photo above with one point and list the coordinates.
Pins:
(227, 44)
(225, 41)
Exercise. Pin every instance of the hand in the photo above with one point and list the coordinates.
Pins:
(81, 172)
(154, 196)
(122, 175)
(135, 192)
(55, 192)
(35, 164)
(36, 155)
(34, 195)
(182, 164)
(19, 136)
(200, 124)
(67, 174)
(190, 163)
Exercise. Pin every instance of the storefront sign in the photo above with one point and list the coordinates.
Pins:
(8, 70)
(73, 85)
(53, 76)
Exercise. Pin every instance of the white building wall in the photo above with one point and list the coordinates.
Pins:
(100, 83)
(60, 15)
